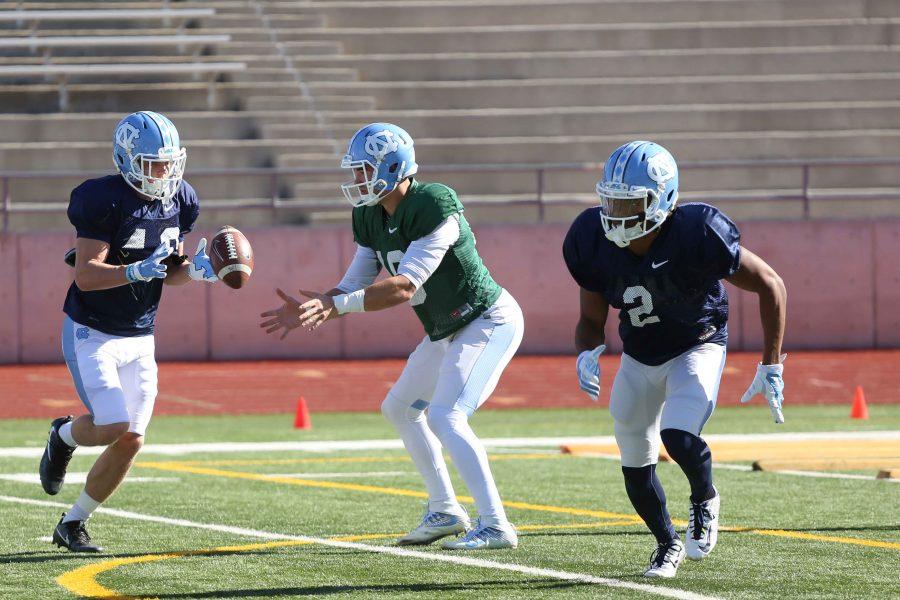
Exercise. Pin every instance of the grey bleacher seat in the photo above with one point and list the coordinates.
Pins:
(497, 81)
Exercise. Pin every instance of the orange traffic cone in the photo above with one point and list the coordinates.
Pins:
(302, 421)
(859, 410)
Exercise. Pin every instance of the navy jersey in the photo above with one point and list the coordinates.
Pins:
(670, 300)
(107, 209)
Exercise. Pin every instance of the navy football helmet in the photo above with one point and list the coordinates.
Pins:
(638, 191)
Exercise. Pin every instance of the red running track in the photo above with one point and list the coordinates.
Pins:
(353, 385)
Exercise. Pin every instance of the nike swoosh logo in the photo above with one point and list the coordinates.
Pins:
(392, 230)
(656, 265)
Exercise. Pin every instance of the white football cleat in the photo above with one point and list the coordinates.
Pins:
(488, 537)
(703, 528)
(434, 526)
(665, 560)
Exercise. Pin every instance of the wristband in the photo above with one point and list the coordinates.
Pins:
(352, 302)
(132, 274)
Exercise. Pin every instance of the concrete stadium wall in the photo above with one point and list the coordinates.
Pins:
(843, 281)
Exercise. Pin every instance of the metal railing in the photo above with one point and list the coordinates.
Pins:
(802, 193)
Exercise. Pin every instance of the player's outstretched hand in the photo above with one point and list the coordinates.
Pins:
(588, 366)
(201, 268)
(318, 309)
(151, 267)
(286, 317)
(769, 383)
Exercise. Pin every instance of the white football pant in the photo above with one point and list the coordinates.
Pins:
(442, 384)
(115, 376)
(678, 394)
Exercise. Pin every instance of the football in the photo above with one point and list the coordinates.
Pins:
(231, 257)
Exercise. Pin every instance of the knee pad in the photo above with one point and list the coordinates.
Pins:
(684, 447)
(396, 410)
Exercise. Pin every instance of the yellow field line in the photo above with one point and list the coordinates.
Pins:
(356, 487)
(83, 580)
(355, 459)
(182, 468)
(801, 535)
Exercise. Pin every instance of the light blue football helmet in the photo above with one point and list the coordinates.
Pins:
(638, 191)
(384, 153)
(147, 152)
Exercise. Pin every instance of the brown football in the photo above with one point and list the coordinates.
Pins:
(231, 257)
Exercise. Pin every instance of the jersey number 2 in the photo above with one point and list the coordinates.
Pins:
(638, 293)
(392, 264)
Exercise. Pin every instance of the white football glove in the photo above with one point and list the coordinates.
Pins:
(200, 268)
(588, 367)
(151, 267)
(769, 383)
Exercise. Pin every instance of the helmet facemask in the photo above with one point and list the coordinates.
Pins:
(157, 175)
(628, 213)
(371, 190)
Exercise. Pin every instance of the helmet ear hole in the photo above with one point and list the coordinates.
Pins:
(393, 168)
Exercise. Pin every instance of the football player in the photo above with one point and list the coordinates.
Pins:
(130, 231)
(417, 232)
(662, 266)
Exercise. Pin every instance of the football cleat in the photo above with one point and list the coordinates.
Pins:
(703, 528)
(487, 537)
(74, 536)
(56, 458)
(665, 559)
(434, 526)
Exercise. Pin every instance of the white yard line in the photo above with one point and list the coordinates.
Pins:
(395, 444)
(748, 468)
(457, 559)
(829, 475)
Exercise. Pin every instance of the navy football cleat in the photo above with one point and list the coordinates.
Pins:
(56, 458)
(74, 536)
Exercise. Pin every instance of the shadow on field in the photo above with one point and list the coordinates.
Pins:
(64, 555)
(326, 590)
(56, 555)
(584, 533)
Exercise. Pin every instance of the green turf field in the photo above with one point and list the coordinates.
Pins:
(791, 536)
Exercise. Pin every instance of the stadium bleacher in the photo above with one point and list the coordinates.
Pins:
(486, 82)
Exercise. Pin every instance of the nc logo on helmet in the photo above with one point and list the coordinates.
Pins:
(125, 136)
(661, 168)
(384, 142)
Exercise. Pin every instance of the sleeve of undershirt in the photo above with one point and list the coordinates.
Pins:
(362, 271)
(424, 255)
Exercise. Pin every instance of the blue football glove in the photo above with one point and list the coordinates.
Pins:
(150, 267)
(588, 367)
(769, 383)
(200, 268)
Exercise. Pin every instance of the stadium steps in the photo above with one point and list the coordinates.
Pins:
(622, 90)
(95, 156)
(613, 63)
(615, 36)
(690, 145)
(168, 97)
(651, 119)
(97, 127)
(477, 12)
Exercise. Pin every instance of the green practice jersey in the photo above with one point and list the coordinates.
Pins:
(461, 288)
